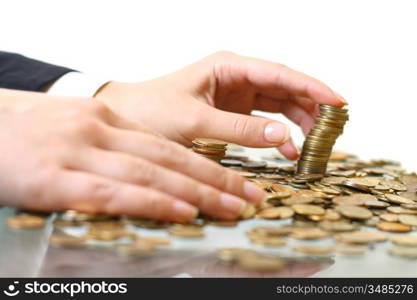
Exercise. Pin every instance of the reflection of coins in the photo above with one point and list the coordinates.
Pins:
(65, 240)
(403, 252)
(313, 250)
(360, 237)
(25, 221)
(186, 231)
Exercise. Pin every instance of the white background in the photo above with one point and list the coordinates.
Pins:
(365, 50)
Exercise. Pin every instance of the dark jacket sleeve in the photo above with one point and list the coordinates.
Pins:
(23, 73)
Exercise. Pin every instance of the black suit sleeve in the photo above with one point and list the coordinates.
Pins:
(23, 73)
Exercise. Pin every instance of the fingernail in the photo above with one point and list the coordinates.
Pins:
(184, 210)
(340, 97)
(277, 133)
(253, 192)
(232, 204)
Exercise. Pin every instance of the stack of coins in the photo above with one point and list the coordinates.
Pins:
(318, 144)
(212, 149)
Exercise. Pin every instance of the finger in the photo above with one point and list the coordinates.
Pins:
(89, 193)
(269, 75)
(245, 130)
(131, 169)
(289, 150)
(291, 110)
(173, 156)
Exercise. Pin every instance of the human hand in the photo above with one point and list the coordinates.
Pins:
(76, 154)
(213, 97)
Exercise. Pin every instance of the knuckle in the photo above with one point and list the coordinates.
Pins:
(241, 126)
(83, 126)
(144, 172)
(173, 155)
(157, 206)
(102, 194)
(231, 182)
(96, 107)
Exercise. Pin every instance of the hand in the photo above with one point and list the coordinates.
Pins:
(213, 97)
(76, 154)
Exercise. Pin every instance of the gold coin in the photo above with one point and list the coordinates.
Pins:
(402, 240)
(307, 209)
(331, 215)
(24, 221)
(296, 199)
(66, 240)
(248, 212)
(313, 250)
(281, 212)
(393, 227)
(308, 233)
(337, 226)
(398, 199)
(401, 210)
(410, 220)
(375, 204)
(209, 143)
(389, 217)
(357, 199)
(354, 212)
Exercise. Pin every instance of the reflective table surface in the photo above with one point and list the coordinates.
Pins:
(25, 253)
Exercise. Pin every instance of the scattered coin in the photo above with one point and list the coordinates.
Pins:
(337, 226)
(354, 212)
(410, 220)
(360, 237)
(281, 212)
(308, 209)
(393, 227)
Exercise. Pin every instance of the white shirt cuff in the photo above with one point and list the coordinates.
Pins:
(75, 84)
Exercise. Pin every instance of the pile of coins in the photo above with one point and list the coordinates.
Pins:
(356, 205)
(318, 144)
(209, 148)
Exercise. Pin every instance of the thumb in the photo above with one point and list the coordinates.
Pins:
(245, 130)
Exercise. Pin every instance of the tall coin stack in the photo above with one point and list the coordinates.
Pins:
(212, 149)
(318, 144)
